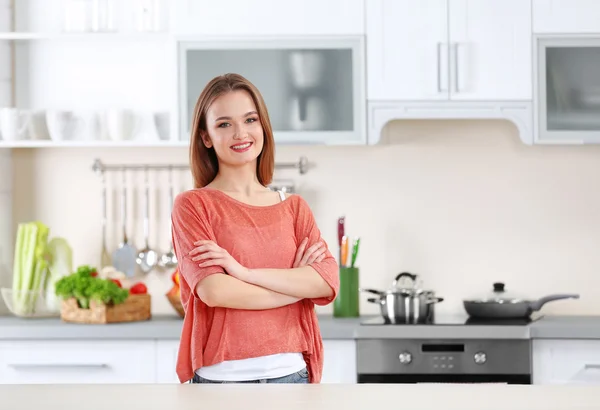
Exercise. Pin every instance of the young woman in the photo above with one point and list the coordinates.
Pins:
(252, 261)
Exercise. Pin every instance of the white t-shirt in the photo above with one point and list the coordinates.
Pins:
(264, 367)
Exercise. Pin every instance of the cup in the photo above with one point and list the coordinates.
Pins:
(346, 304)
(13, 123)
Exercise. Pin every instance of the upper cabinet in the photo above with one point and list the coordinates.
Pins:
(449, 59)
(313, 88)
(436, 50)
(566, 16)
(407, 49)
(269, 17)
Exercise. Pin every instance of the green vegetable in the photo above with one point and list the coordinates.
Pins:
(61, 264)
(30, 265)
(85, 286)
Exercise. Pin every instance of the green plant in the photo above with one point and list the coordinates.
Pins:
(84, 285)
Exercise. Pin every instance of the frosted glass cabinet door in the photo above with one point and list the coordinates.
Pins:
(568, 90)
(314, 90)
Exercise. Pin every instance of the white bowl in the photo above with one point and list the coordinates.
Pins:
(27, 304)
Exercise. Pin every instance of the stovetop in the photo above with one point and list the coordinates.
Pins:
(455, 321)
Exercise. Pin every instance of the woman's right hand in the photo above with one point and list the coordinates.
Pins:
(315, 253)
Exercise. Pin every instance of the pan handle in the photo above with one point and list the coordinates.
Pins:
(537, 304)
(373, 291)
(434, 300)
(373, 300)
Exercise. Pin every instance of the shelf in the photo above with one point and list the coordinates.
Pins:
(92, 144)
(31, 36)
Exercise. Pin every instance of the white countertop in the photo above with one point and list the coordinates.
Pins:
(298, 397)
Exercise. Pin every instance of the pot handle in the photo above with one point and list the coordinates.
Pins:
(434, 300)
(537, 305)
(373, 300)
(373, 291)
(412, 276)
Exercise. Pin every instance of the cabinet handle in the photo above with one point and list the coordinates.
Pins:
(439, 68)
(592, 366)
(456, 74)
(59, 365)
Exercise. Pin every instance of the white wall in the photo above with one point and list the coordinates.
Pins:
(462, 203)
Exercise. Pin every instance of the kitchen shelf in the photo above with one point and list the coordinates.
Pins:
(92, 144)
(91, 36)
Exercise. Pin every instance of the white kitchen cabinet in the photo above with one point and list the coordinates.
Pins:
(566, 361)
(566, 16)
(449, 50)
(406, 52)
(166, 361)
(339, 364)
(81, 361)
(490, 50)
(268, 17)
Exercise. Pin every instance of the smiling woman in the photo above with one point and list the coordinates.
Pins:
(252, 261)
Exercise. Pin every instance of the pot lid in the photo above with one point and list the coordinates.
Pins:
(499, 295)
(408, 286)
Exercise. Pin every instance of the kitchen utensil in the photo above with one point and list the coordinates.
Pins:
(169, 259)
(341, 233)
(124, 255)
(354, 251)
(346, 304)
(500, 305)
(147, 258)
(405, 305)
(104, 256)
(344, 250)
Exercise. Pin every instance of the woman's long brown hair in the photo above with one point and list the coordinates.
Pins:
(203, 160)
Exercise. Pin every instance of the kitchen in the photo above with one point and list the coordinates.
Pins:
(445, 169)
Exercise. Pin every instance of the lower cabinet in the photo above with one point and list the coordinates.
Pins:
(126, 361)
(66, 361)
(566, 361)
(339, 364)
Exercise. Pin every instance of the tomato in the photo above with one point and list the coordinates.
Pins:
(138, 289)
(94, 274)
(118, 282)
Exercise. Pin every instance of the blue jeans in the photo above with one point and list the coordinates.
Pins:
(300, 377)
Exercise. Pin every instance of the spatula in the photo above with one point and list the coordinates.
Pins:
(124, 256)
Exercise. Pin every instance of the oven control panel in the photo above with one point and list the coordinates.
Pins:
(396, 356)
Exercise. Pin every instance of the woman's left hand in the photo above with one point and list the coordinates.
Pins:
(212, 254)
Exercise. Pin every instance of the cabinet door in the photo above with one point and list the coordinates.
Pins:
(490, 50)
(93, 361)
(339, 362)
(166, 361)
(566, 16)
(269, 17)
(568, 90)
(566, 362)
(407, 50)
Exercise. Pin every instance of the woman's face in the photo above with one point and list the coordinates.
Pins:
(234, 129)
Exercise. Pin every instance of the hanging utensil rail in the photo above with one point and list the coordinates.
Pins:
(99, 168)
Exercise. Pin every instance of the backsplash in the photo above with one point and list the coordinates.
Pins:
(462, 203)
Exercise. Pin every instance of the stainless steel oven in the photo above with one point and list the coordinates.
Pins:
(444, 361)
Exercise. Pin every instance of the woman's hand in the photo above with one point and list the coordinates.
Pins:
(210, 254)
(304, 257)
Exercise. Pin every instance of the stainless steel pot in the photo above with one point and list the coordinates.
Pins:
(500, 305)
(407, 305)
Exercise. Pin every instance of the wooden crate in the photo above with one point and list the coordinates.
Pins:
(135, 308)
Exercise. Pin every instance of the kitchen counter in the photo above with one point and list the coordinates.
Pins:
(300, 397)
(169, 327)
(159, 327)
(566, 327)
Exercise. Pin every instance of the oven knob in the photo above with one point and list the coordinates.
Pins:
(480, 358)
(405, 357)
